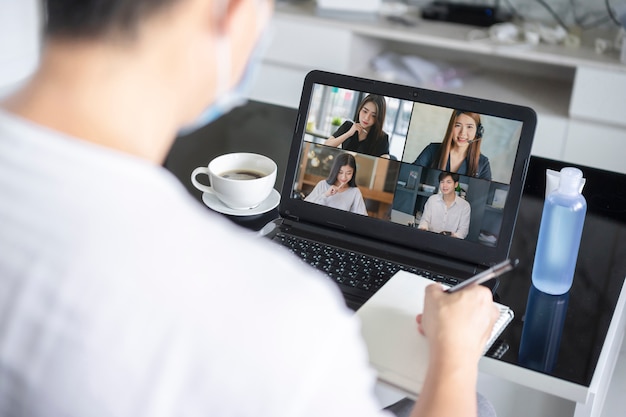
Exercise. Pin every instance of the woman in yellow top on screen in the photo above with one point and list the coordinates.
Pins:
(365, 134)
(339, 190)
(460, 150)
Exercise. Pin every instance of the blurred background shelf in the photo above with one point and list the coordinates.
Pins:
(577, 93)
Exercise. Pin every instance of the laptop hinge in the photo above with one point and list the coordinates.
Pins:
(292, 217)
(336, 225)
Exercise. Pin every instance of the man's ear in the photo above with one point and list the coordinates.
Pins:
(227, 15)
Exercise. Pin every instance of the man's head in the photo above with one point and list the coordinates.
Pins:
(131, 73)
(89, 19)
(236, 23)
(448, 181)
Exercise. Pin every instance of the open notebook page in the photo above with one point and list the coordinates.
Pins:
(396, 348)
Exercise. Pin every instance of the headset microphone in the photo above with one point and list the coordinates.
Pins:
(474, 140)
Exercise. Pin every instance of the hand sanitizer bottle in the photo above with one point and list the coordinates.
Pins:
(559, 235)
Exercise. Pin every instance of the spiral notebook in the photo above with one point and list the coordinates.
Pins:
(397, 351)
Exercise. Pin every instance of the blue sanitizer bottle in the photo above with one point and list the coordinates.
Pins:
(559, 235)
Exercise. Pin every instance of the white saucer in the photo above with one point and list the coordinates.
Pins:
(215, 204)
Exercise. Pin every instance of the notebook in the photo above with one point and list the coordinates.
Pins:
(389, 191)
(388, 319)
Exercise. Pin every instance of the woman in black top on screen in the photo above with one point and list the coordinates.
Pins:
(364, 135)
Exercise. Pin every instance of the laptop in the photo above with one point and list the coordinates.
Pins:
(375, 225)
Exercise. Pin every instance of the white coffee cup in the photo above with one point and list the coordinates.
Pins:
(239, 180)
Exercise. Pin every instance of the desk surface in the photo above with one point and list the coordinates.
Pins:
(600, 271)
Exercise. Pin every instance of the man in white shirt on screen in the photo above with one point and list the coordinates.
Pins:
(446, 212)
(120, 295)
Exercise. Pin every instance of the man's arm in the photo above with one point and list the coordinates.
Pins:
(426, 216)
(464, 222)
(457, 327)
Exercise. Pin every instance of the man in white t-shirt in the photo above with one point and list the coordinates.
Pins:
(119, 294)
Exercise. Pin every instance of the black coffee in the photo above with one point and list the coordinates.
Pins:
(242, 174)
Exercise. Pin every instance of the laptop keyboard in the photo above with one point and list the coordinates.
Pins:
(356, 273)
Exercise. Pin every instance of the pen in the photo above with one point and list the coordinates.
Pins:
(486, 275)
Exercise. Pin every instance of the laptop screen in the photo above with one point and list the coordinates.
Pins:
(426, 170)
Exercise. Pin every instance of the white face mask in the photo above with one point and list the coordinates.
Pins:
(237, 95)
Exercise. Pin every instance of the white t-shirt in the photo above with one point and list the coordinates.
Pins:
(120, 295)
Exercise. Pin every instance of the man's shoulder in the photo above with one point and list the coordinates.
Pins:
(436, 197)
(462, 202)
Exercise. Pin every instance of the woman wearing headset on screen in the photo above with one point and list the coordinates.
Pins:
(365, 134)
(460, 150)
(339, 190)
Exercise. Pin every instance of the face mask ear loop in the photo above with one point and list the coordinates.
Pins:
(223, 50)
(263, 15)
(223, 53)
(224, 65)
(226, 96)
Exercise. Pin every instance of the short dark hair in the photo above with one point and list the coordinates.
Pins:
(455, 177)
(89, 19)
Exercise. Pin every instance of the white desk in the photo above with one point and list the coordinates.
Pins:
(596, 320)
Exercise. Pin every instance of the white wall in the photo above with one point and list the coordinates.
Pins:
(19, 41)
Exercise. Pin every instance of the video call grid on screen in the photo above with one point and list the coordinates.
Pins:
(394, 188)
